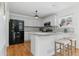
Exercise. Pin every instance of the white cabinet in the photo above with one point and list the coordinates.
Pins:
(27, 36)
(43, 44)
(46, 46)
(52, 19)
(32, 22)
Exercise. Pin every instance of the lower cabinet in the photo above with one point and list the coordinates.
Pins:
(27, 36)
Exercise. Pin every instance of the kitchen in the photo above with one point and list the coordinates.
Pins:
(48, 27)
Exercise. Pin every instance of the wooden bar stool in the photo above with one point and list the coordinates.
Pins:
(73, 44)
(62, 47)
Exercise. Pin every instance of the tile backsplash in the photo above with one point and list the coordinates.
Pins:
(65, 30)
(54, 29)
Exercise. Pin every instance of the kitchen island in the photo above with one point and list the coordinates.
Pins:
(42, 43)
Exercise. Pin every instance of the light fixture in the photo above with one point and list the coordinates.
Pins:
(36, 16)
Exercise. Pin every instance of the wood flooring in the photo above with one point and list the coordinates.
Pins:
(24, 49)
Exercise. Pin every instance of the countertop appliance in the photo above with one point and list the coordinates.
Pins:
(47, 27)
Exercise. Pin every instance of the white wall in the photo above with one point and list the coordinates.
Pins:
(2, 35)
(74, 11)
(4, 29)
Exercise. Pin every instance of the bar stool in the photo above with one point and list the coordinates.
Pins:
(73, 44)
(62, 47)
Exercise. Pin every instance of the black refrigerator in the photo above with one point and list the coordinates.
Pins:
(16, 32)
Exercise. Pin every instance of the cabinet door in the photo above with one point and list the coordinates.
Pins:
(45, 46)
(25, 36)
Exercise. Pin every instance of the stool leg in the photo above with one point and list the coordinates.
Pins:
(71, 47)
(68, 49)
(55, 48)
(63, 49)
(75, 47)
(60, 48)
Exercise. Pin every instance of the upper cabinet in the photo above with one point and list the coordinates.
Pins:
(51, 19)
(32, 22)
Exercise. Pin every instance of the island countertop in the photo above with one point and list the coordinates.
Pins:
(48, 33)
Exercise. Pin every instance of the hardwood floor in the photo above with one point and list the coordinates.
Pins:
(20, 49)
(77, 52)
(24, 49)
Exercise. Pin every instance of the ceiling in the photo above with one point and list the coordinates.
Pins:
(44, 8)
